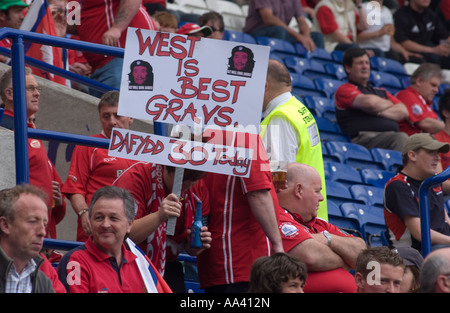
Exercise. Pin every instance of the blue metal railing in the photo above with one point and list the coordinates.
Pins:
(424, 208)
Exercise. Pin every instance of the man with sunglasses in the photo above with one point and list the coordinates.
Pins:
(215, 21)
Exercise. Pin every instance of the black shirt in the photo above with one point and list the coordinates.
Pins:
(423, 28)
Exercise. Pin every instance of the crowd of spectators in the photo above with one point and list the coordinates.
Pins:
(125, 203)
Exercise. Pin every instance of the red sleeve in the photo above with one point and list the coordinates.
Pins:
(139, 184)
(79, 172)
(392, 98)
(345, 95)
(292, 233)
(260, 177)
(49, 271)
(326, 20)
(417, 110)
(201, 191)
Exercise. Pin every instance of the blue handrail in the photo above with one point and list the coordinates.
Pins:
(424, 208)
(61, 72)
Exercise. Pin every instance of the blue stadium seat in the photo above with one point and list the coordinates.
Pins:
(387, 81)
(370, 218)
(371, 195)
(377, 178)
(333, 209)
(339, 193)
(336, 71)
(308, 67)
(320, 55)
(326, 156)
(321, 106)
(435, 104)
(447, 206)
(336, 218)
(280, 47)
(330, 131)
(348, 224)
(342, 173)
(303, 86)
(337, 56)
(388, 66)
(405, 82)
(301, 50)
(329, 86)
(391, 159)
(297, 64)
(234, 35)
(442, 88)
(353, 154)
(276, 56)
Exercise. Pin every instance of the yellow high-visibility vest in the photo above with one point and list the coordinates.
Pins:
(310, 151)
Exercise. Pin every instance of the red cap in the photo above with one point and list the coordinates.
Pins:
(191, 28)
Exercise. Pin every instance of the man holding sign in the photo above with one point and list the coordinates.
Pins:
(151, 185)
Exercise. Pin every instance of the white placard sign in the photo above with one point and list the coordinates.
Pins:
(194, 155)
(188, 80)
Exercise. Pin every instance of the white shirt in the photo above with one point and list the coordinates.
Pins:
(281, 139)
(20, 283)
(377, 17)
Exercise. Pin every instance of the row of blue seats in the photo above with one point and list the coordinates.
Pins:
(364, 221)
(348, 175)
(360, 157)
(355, 193)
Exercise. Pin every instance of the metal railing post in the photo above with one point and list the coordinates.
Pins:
(424, 208)
(20, 110)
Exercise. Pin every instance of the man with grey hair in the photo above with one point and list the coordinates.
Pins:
(418, 98)
(23, 220)
(435, 273)
(104, 263)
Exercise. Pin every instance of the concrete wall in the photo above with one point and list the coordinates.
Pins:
(65, 110)
(8, 162)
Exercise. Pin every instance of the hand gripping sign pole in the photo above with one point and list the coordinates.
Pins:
(177, 183)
